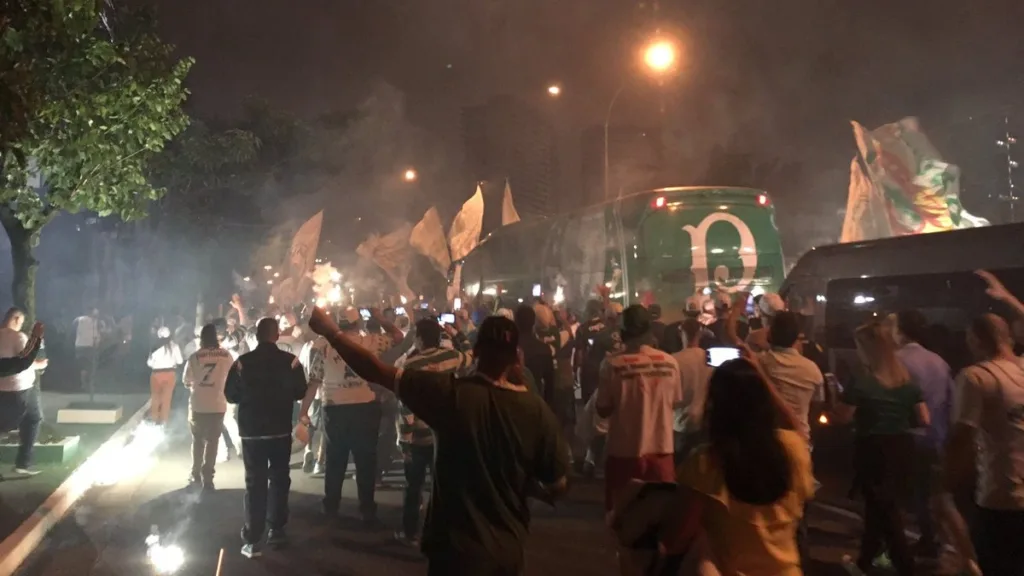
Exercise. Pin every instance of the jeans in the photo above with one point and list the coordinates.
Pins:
(22, 410)
(883, 465)
(206, 430)
(418, 460)
(351, 428)
(229, 438)
(266, 460)
(997, 538)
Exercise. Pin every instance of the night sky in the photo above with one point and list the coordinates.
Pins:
(781, 77)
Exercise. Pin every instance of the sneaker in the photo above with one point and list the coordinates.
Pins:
(209, 487)
(308, 462)
(318, 471)
(277, 538)
(252, 550)
(401, 538)
(26, 471)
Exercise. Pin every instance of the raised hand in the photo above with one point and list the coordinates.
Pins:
(321, 322)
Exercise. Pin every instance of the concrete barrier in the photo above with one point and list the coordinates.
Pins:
(17, 547)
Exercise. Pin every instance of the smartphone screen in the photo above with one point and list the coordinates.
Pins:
(400, 310)
(720, 355)
(424, 305)
(447, 318)
(365, 313)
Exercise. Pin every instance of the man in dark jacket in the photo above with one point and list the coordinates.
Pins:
(536, 355)
(265, 384)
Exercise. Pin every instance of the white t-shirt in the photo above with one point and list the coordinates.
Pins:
(12, 343)
(87, 332)
(694, 374)
(205, 374)
(643, 389)
(797, 380)
(339, 384)
(165, 357)
(990, 399)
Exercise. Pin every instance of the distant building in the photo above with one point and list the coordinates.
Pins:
(635, 160)
(988, 148)
(507, 138)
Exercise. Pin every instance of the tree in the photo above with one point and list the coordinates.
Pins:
(96, 94)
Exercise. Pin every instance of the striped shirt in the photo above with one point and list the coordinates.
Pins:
(443, 360)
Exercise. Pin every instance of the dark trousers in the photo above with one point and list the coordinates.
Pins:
(998, 537)
(351, 428)
(387, 439)
(22, 410)
(417, 460)
(266, 460)
(883, 464)
(926, 476)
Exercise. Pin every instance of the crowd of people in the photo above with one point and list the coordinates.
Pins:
(706, 464)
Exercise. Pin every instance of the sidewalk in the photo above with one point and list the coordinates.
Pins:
(106, 532)
(21, 496)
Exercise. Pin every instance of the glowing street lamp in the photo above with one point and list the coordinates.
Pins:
(660, 56)
(410, 175)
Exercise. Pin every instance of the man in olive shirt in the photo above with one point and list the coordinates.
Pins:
(496, 444)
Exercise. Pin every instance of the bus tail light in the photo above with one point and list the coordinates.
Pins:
(763, 200)
(659, 202)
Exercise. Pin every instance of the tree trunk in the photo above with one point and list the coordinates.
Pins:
(23, 243)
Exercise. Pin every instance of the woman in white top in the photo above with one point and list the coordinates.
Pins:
(163, 361)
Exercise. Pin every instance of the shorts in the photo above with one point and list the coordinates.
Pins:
(619, 471)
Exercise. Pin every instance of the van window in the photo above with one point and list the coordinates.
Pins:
(949, 301)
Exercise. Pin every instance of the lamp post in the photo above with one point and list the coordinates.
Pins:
(659, 58)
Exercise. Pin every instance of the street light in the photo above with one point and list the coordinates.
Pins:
(659, 58)
(410, 175)
(555, 90)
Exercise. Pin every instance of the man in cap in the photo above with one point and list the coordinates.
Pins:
(638, 392)
(496, 444)
(265, 383)
(766, 308)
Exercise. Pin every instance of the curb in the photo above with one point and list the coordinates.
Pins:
(22, 542)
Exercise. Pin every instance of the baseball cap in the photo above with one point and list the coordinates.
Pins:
(771, 304)
(636, 321)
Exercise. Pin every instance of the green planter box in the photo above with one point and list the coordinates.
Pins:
(55, 453)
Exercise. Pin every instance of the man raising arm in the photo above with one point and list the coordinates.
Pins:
(496, 443)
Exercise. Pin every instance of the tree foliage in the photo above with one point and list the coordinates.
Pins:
(88, 95)
(95, 95)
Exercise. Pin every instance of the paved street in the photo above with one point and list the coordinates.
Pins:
(105, 534)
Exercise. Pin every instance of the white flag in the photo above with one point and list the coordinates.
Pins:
(299, 262)
(465, 232)
(393, 254)
(508, 209)
(428, 239)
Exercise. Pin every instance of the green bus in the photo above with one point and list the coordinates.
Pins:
(660, 246)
